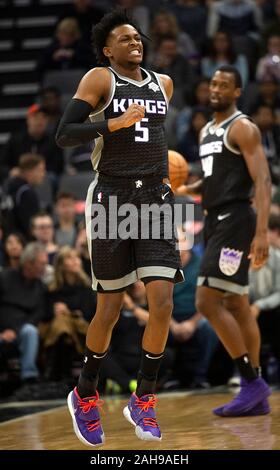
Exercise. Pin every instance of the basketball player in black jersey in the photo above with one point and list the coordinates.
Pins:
(127, 106)
(233, 161)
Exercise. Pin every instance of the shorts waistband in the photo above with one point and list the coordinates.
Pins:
(225, 207)
(135, 183)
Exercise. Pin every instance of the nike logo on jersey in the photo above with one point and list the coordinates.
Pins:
(223, 216)
(121, 84)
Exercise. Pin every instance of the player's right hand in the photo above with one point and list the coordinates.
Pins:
(133, 114)
(259, 251)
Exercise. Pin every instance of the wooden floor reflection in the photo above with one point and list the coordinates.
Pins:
(186, 422)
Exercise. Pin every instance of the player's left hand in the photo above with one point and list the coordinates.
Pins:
(259, 251)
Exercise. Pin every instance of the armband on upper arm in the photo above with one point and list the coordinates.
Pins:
(73, 131)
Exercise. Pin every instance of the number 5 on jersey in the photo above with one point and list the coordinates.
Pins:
(143, 132)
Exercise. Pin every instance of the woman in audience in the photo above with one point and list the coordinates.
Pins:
(222, 53)
(71, 305)
(13, 247)
(166, 23)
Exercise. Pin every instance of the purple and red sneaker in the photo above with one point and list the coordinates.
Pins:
(250, 401)
(141, 413)
(86, 419)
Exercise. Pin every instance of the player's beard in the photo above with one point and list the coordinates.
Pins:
(220, 107)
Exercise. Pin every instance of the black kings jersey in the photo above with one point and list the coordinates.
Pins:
(140, 150)
(226, 177)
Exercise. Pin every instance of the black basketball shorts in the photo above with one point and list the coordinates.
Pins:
(228, 234)
(122, 245)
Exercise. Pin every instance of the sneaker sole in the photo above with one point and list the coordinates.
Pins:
(75, 426)
(144, 436)
(257, 410)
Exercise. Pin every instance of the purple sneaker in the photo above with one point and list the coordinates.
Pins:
(86, 419)
(140, 412)
(261, 408)
(250, 395)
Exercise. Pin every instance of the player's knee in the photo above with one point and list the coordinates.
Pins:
(203, 306)
(235, 304)
(109, 315)
(162, 308)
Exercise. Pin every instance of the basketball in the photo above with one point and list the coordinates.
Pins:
(178, 169)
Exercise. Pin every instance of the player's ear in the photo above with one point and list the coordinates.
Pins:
(237, 92)
(107, 51)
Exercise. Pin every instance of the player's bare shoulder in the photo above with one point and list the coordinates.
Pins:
(243, 130)
(167, 84)
(94, 86)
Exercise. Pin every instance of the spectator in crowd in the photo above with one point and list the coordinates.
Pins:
(275, 204)
(273, 27)
(265, 293)
(65, 228)
(169, 61)
(67, 51)
(14, 245)
(268, 66)
(267, 94)
(86, 14)
(191, 16)
(188, 145)
(35, 139)
(237, 17)
(165, 23)
(22, 306)
(274, 231)
(138, 11)
(191, 335)
(265, 118)
(198, 97)
(267, 8)
(49, 99)
(71, 306)
(42, 230)
(222, 52)
(21, 189)
(79, 159)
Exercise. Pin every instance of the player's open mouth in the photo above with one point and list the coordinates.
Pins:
(135, 52)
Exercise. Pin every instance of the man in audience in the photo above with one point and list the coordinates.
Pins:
(34, 139)
(22, 296)
(65, 230)
(25, 201)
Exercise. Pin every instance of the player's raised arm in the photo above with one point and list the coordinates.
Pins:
(247, 136)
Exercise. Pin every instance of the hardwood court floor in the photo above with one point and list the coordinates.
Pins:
(186, 422)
